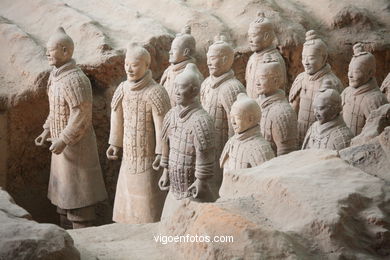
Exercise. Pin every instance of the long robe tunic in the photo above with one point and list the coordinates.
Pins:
(76, 179)
(138, 110)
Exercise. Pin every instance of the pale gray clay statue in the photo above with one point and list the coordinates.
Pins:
(329, 131)
(182, 53)
(363, 94)
(305, 87)
(76, 182)
(217, 94)
(246, 148)
(278, 123)
(137, 113)
(188, 152)
(261, 36)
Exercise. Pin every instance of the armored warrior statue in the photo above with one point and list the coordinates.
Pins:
(217, 94)
(246, 148)
(181, 54)
(278, 122)
(307, 83)
(188, 152)
(385, 87)
(363, 94)
(138, 108)
(261, 37)
(76, 182)
(329, 131)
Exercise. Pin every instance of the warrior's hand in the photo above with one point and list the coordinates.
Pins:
(156, 163)
(57, 145)
(199, 189)
(112, 152)
(42, 138)
(163, 183)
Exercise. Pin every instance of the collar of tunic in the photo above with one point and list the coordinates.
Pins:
(253, 131)
(325, 70)
(326, 127)
(186, 112)
(266, 50)
(266, 101)
(145, 81)
(217, 81)
(180, 66)
(57, 72)
(370, 85)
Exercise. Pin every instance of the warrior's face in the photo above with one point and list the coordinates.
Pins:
(257, 39)
(57, 54)
(323, 110)
(135, 67)
(178, 52)
(312, 59)
(266, 82)
(240, 121)
(184, 91)
(358, 74)
(217, 62)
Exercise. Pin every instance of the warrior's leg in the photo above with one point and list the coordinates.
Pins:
(64, 222)
(82, 217)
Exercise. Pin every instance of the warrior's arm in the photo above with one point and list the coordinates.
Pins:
(204, 164)
(158, 119)
(80, 119)
(116, 131)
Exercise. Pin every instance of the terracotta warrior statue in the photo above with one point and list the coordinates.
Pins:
(363, 94)
(246, 148)
(385, 87)
(278, 122)
(329, 131)
(217, 94)
(137, 113)
(76, 183)
(181, 54)
(188, 152)
(307, 83)
(261, 36)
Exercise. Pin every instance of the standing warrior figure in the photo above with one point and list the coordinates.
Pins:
(261, 37)
(138, 108)
(307, 83)
(217, 94)
(385, 87)
(329, 131)
(181, 54)
(363, 94)
(278, 122)
(188, 153)
(246, 148)
(76, 182)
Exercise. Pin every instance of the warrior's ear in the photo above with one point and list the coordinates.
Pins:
(187, 52)
(266, 35)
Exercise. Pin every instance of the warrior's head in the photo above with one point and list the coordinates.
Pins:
(137, 62)
(220, 57)
(187, 85)
(183, 46)
(244, 114)
(261, 34)
(314, 54)
(327, 103)
(269, 76)
(59, 48)
(362, 67)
